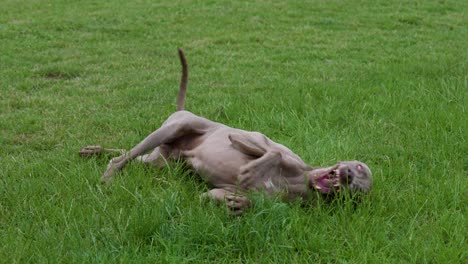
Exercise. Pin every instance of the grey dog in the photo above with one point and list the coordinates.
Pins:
(234, 161)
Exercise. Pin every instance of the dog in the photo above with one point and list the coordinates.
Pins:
(234, 161)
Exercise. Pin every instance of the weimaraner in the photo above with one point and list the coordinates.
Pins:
(234, 161)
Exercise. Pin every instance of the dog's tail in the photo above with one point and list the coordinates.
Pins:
(183, 82)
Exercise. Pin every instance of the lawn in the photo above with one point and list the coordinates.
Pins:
(384, 82)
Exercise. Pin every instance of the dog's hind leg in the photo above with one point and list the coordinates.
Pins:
(162, 135)
(156, 158)
(178, 125)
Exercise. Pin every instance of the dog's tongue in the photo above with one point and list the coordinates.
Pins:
(325, 184)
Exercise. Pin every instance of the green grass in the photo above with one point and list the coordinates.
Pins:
(384, 82)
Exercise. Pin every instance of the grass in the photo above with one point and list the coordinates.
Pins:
(384, 82)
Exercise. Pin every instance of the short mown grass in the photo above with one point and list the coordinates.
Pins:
(384, 82)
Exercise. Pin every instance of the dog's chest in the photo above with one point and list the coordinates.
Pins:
(218, 165)
(216, 168)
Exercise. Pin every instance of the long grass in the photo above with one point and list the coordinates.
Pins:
(384, 82)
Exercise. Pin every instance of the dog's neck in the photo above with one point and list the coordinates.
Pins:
(299, 185)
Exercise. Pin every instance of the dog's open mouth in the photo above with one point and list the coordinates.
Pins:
(328, 181)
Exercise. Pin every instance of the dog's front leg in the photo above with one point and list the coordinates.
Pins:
(258, 171)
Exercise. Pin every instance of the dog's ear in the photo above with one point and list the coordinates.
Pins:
(250, 143)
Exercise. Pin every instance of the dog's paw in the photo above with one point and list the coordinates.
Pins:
(90, 151)
(237, 204)
(115, 165)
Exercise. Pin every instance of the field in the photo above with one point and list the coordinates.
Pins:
(384, 82)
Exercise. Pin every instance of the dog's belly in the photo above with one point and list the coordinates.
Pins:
(217, 161)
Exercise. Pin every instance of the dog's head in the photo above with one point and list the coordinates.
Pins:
(351, 175)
